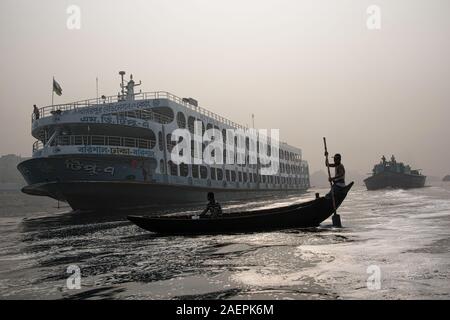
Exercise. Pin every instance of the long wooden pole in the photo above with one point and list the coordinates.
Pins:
(53, 90)
(329, 176)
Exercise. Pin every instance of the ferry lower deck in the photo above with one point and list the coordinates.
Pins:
(120, 182)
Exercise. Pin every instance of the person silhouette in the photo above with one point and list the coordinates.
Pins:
(213, 207)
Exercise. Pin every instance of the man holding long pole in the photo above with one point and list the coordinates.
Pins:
(336, 182)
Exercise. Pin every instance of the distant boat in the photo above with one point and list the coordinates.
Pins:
(393, 174)
(446, 178)
(303, 215)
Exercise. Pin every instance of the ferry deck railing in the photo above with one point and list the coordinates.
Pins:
(91, 140)
(49, 110)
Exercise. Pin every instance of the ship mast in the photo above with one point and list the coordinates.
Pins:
(122, 86)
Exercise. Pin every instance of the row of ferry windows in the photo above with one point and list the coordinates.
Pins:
(201, 172)
(181, 121)
(171, 144)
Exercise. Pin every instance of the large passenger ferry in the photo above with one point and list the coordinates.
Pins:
(115, 152)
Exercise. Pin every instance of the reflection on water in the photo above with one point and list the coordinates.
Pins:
(405, 233)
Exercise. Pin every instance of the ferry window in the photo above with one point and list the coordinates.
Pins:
(163, 114)
(209, 126)
(151, 140)
(203, 172)
(213, 173)
(173, 169)
(240, 176)
(245, 176)
(112, 141)
(219, 174)
(250, 176)
(195, 171)
(224, 136)
(181, 120)
(162, 167)
(160, 141)
(227, 173)
(170, 144)
(191, 124)
(233, 176)
(184, 170)
(128, 142)
(255, 178)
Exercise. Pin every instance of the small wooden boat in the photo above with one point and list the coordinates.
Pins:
(302, 215)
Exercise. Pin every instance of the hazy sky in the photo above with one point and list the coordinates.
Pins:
(310, 68)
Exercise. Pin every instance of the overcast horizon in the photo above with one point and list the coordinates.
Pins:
(310, 68)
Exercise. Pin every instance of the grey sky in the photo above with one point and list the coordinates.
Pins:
(310, 68)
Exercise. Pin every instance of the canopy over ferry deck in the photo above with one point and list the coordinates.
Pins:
(115, 152)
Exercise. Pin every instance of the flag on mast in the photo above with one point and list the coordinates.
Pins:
(56, 88)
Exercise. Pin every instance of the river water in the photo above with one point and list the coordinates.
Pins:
(395, 244)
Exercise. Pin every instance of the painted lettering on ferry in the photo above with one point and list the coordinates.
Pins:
(115, 120)
(91, 169)
(113, 108)
(115, 151)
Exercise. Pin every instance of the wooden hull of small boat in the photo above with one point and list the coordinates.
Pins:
(304, 215)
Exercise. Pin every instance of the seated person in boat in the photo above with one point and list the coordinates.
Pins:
(339, 177)
(213, 207)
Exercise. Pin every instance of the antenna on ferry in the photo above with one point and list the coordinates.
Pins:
(122, 86)
(96, 87)
(253, 120)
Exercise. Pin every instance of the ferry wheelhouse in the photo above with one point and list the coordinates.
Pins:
(115, 152)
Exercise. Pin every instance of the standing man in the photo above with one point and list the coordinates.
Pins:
(35, 112)
(339, 176)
